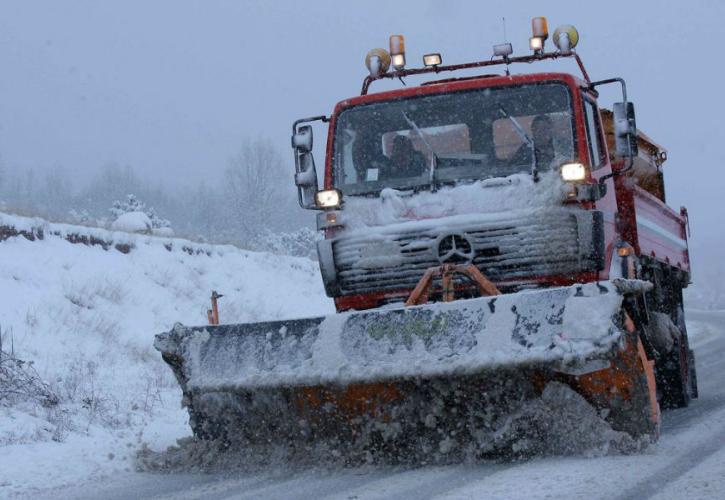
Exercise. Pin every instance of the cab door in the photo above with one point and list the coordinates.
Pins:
(600, 165)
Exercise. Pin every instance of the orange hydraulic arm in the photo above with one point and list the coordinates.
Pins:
(446, 272)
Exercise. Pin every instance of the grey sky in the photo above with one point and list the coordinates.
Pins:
(171, 87)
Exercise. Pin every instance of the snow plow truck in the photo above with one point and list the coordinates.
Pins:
(486, 234)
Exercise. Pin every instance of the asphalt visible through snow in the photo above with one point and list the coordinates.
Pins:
(684, 463)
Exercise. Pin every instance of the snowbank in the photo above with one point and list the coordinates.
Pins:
(85, 311)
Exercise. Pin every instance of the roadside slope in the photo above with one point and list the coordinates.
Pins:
(83, 305)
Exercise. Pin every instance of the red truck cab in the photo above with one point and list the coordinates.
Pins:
(523, 176)
(630, 207)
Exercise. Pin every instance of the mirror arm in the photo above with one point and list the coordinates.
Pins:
(615, 173)
(322, 118)
(621, 81)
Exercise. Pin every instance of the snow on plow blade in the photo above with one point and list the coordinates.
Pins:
(396, 372)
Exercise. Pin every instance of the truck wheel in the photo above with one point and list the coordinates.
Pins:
(676, 371)
(674, 375)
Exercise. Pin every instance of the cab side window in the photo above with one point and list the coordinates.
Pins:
(594, 134)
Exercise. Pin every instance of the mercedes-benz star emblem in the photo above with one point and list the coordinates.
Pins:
(455, 249)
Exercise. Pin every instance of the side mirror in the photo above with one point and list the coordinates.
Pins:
(625, 130)
(305, 171)
(302, 139)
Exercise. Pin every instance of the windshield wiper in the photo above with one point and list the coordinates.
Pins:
(434, 155)
(524, 137)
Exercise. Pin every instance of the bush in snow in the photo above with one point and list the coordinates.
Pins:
(300, 243)
(74, 399)
(19, 382)
(132, 204)
(159, 225)
(137, 223)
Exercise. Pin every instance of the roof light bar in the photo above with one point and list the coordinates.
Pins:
(379, 61)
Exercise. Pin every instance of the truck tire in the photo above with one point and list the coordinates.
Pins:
(677, 373)
(674, 376)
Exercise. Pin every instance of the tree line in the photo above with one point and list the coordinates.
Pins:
(255, 197)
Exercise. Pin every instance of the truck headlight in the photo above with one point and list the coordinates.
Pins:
(573, 172)
(328, 198)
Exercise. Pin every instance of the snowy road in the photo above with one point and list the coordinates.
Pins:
(688, 462)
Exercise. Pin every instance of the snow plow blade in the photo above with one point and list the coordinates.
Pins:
(411, 375)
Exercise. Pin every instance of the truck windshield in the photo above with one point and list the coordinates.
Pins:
(462, 136)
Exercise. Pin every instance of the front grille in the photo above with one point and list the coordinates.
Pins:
(505, 247)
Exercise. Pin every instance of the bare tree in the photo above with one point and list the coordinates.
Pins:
(256, 196)
(254, 188)
(55, 192)
(112, 182)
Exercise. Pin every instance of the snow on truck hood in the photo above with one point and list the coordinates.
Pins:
(506, 194)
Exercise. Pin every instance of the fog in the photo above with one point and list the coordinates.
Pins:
(173, 89)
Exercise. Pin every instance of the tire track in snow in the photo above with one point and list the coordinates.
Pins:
(699, 409)
(420, 483)
(450, 481)
(709, 356)
(655, 483)
(305, 485)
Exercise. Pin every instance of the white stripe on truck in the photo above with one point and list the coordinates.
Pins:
(655, 228)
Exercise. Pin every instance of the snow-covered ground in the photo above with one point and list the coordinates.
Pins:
(687, 462)
(86, 317)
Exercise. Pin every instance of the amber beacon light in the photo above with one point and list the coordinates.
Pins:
(397, 51)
